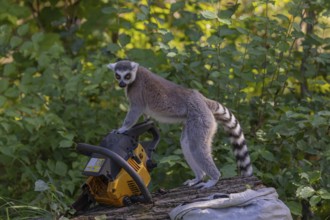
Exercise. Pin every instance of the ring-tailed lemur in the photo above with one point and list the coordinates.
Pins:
(168, 102)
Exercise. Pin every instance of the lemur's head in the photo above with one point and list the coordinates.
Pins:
(125, 71)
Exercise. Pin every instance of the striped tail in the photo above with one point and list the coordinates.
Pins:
(232, 126)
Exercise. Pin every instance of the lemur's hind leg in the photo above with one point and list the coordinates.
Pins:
(199, 173)
(200, 132)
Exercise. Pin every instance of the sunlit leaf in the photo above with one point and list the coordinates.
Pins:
(314, 200)
(40, 186)
(224, 21)
(209, 14)
(305, 192)
(171, 54)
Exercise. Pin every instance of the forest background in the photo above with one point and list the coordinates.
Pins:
(268, 61)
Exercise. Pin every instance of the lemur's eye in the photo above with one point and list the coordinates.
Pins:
(128, 76)
(117, 76)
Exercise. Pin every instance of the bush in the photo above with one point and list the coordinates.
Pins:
(267, 61)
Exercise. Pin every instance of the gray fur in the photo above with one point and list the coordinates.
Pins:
(167, 102)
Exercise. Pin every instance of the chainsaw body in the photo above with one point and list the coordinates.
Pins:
(119, 169)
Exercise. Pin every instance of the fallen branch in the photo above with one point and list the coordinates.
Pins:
(165, 200)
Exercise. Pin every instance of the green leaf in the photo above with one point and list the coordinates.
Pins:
(56, 50)
(27, 48)
(304, 176)
(295, 207)
(4, 83)
(90, 88)
(65, 143)
(23, 30)
(168, 37)
(268, 155)
(35, 122)
(242, 30)
(40, 186)
(224, 21)
(109, 10)
(196, 84)
(125, 10)
(8, 151)
(12, 92)
(10, 69)
(51, 165)
(177, 6)
(70, 186)
(298, 34)
(66, 135)
(2, 100)
(5, 34)
(144, 9)
(141, 16)
(324, 194)
(163, 46)
(283, 17)
(171, 160)
(305, 192)
(314, 200)
(113, 47)
(229, 170)
(215, 74)
(37, 37)
(124, 39)
(44, 60)
(209, 14)
(314, 177)
(61, 168)
(283, 46)
(318, 121)
(225, 31)
(171, 54)
(214, 40)
(15, 41)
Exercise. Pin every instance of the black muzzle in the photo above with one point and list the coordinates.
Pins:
(122, 84)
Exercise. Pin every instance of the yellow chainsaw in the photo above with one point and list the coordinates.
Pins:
(119, 168)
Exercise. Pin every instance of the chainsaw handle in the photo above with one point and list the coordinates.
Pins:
(146, 126)
(88, 150)
(153, 143)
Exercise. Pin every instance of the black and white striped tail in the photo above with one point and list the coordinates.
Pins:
(232, 126)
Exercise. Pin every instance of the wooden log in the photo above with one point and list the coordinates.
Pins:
(165, 200)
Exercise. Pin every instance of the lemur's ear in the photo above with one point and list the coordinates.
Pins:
(112, 66)
(134, 66)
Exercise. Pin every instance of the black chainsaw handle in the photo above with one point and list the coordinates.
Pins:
(146, 126)
(88, 150)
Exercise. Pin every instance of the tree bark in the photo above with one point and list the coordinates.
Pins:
(165, 200)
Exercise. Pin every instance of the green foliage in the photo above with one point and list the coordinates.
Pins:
(268, 61)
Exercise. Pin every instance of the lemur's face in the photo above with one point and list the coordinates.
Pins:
(125, 72)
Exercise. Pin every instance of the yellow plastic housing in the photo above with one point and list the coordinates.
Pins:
(113, 192)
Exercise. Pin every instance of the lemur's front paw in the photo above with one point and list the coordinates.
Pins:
(192, 182)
